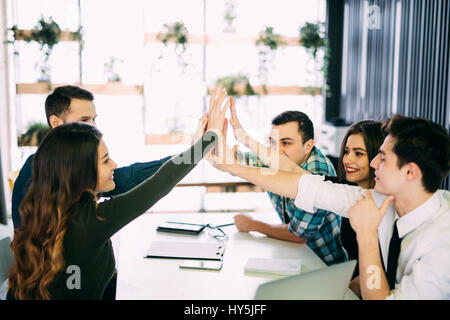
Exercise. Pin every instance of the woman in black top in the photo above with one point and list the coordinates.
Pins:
(62, 249)
(359, 146)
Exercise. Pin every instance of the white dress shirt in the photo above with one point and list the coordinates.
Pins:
(423, 270)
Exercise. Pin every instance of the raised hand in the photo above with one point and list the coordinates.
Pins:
(201, 127)
(217, 109)
(238, 130)
(223, 156)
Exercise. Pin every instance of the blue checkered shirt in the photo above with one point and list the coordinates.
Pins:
(322, 229)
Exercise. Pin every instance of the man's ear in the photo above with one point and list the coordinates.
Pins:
(308, 146)
(413, 171)
(55, 121)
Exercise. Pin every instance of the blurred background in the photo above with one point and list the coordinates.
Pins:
(152, 63)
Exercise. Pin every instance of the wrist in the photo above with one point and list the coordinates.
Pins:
(244, 139)
(232, 168)
(367, 238)
(216, 131)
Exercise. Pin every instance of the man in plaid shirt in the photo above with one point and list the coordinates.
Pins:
(320, 230)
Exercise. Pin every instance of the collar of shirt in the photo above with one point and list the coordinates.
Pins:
(312, 156)
(415, 218)
(316, 156)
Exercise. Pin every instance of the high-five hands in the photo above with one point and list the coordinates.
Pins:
(217, 110)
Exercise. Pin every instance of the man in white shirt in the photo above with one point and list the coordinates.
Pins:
(412, 163)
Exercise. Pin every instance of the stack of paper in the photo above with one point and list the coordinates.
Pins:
(284, 267)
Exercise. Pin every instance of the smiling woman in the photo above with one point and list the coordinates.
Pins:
(63, 224)
(359, 146)
(356, 162)
(60, 210)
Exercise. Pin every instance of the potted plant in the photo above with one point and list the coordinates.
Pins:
(312, 38)
(110, 71)
(268, 42)
(47, 34)
(34, 134)
(236, 85)
(177, 33)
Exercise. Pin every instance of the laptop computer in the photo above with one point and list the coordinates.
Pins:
(330, 283)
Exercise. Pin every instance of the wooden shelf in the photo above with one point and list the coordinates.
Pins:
(118, 88)
(110, 88)
(65, 35)
(169, 138)
(218, 187)
(278, 90)
(221, 39)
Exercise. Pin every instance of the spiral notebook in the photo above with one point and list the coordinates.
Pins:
(186, 250)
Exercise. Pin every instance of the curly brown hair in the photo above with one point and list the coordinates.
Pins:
(57, 187)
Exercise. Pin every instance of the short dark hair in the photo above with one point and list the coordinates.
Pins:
(305, 125)
(423, 142)
(59, 100)
(373, 136)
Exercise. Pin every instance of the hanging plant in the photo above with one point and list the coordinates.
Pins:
(229, 16)
(46, 34)
(178, 34)
(268, 42)
(236, 85)
(312, 38)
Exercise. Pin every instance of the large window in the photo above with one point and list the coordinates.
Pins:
(139, 123)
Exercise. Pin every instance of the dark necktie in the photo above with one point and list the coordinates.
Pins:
(393, 253)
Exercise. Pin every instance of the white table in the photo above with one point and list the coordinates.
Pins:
(161, 279)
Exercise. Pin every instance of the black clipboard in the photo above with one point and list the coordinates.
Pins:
(181, 227)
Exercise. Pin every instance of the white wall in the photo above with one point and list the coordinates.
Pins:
(5, 136)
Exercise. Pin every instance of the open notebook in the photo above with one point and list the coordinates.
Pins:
(186, 250)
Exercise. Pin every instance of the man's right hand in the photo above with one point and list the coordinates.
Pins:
(217, 110)
(238, 130)
(243, 222)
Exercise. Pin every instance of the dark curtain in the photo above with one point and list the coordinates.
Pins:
(395, 59)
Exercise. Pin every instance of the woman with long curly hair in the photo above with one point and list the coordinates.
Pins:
(360, 145)
(65, 228)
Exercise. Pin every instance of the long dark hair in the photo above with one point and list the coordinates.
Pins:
(373, 136)
(64, 169)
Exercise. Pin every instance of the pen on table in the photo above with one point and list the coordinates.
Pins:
(225, 225)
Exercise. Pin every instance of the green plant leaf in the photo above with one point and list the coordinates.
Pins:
(230, 83)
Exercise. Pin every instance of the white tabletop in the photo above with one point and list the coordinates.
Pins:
(144, 278)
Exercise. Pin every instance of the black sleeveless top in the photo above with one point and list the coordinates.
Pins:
(348, 236)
